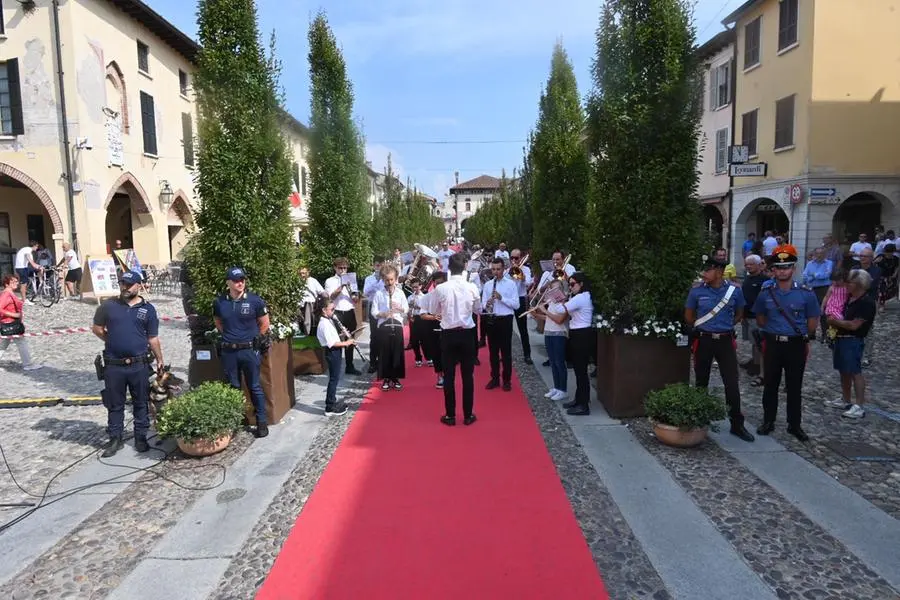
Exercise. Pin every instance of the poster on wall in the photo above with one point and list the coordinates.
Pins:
(101, 279)
(116, 148)
(128, 259)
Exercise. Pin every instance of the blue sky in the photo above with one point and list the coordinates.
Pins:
(427, 71)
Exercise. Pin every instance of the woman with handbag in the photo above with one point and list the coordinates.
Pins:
(11, 322)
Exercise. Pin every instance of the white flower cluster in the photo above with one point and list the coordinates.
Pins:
(650, 328)
(283, 331)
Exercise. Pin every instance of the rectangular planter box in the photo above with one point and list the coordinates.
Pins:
(629, 366)
(277, 378)
(204, 365)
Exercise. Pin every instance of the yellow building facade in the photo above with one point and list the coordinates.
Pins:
(127, 99)
(817, 98)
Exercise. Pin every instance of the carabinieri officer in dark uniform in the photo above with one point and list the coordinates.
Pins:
(129, 326)
(242, 317)
(788, 315)
(713, 309)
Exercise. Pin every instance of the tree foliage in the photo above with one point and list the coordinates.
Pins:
(403, 218)
(559, 158)
(643, 130)
(243, 161)
(339, 214)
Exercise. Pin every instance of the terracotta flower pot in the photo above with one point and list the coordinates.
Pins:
(204, 447)
(679, 438)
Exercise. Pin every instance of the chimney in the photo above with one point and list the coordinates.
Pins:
(456, 176)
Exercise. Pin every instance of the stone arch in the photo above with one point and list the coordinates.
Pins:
(182, 208)
(114, 74)
(861, 212)
(38, 191)
(139, 198)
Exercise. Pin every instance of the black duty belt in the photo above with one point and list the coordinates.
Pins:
(784, 338)
(716, 336)
(130, 360)
(241, 346)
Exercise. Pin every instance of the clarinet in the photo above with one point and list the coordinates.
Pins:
(346, 335)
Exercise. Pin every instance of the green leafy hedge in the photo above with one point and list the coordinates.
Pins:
(212, 410)
(684, 406)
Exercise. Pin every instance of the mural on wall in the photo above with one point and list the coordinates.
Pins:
(114, 145)
(38, 103)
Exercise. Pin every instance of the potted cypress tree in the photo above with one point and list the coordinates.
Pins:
(643, 217)
(244, 183)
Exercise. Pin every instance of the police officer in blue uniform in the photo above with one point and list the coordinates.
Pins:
(242, 318)
(788, 315)
(129, 326)
(713, 309)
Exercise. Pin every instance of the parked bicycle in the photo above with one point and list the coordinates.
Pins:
(44, 287)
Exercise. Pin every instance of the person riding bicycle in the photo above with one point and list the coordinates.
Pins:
(26, 267)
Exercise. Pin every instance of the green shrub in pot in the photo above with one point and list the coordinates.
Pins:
(206, 413)
(684, 406)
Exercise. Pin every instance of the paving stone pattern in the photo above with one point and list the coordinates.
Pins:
(793, 555)
(625, 568)
(95, 558)
(251, 565)
(878, 482)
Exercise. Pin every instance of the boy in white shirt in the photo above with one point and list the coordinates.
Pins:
(327, 334)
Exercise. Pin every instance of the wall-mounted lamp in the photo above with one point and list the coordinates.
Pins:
(165, 194)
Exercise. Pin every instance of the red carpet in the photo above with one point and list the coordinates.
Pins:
(409, 508)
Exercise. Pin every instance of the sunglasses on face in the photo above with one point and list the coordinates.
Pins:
(573, 282)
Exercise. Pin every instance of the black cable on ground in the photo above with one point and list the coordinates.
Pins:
(43, 503)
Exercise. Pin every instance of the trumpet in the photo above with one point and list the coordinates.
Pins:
(516, 273)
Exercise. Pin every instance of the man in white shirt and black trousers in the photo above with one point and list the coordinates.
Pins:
(499, 301)
(344, 307)
(455, 301)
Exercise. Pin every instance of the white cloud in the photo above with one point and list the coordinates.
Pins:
(377, 154)
(468, 27)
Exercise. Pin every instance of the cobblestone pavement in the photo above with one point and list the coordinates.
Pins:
(68, 359)
(793, 555)
(878, 482)
(92, 560)
(248, 569)
(625, 568)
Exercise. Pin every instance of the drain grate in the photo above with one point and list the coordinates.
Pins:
(860, 451)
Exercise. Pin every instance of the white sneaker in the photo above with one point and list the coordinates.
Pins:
(550, 393)
(33, 367)
(839, 403)
(559, 395)
(856, 412)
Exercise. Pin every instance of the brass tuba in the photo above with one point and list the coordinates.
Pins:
(424, 265)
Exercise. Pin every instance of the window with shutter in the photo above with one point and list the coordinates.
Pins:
(143, 57)
(295, 175)
(748, 131)
(11, 118)
(720, 86)
(303, 181)
(148, 123)
(713, 88)
(787, 23)
(751, 43)
(784, 122)
(187, 138)
(2, 24)
(182, 83)
(721, 150)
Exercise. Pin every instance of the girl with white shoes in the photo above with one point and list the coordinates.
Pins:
(556, 336)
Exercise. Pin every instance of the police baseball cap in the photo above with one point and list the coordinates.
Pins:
(130, 277)
(784, 258)
(236, 274)
(711, 262)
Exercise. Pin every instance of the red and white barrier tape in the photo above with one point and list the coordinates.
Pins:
(69, 330)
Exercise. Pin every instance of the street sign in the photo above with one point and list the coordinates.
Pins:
(824, 195)
(739, 154)
(796, 193)
(749, 170)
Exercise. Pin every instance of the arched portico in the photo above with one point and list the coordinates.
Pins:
(19, 180)
(862, 212)
(129, 217)
(180, 223)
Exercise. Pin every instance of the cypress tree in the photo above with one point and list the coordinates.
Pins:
(339, 216)
(243, 163)
(644, 117)
(559, 157)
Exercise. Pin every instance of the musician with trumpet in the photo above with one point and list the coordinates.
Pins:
(499, 301)
(561, 270)
(345, 300)
(521, 276)
(327, 334)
